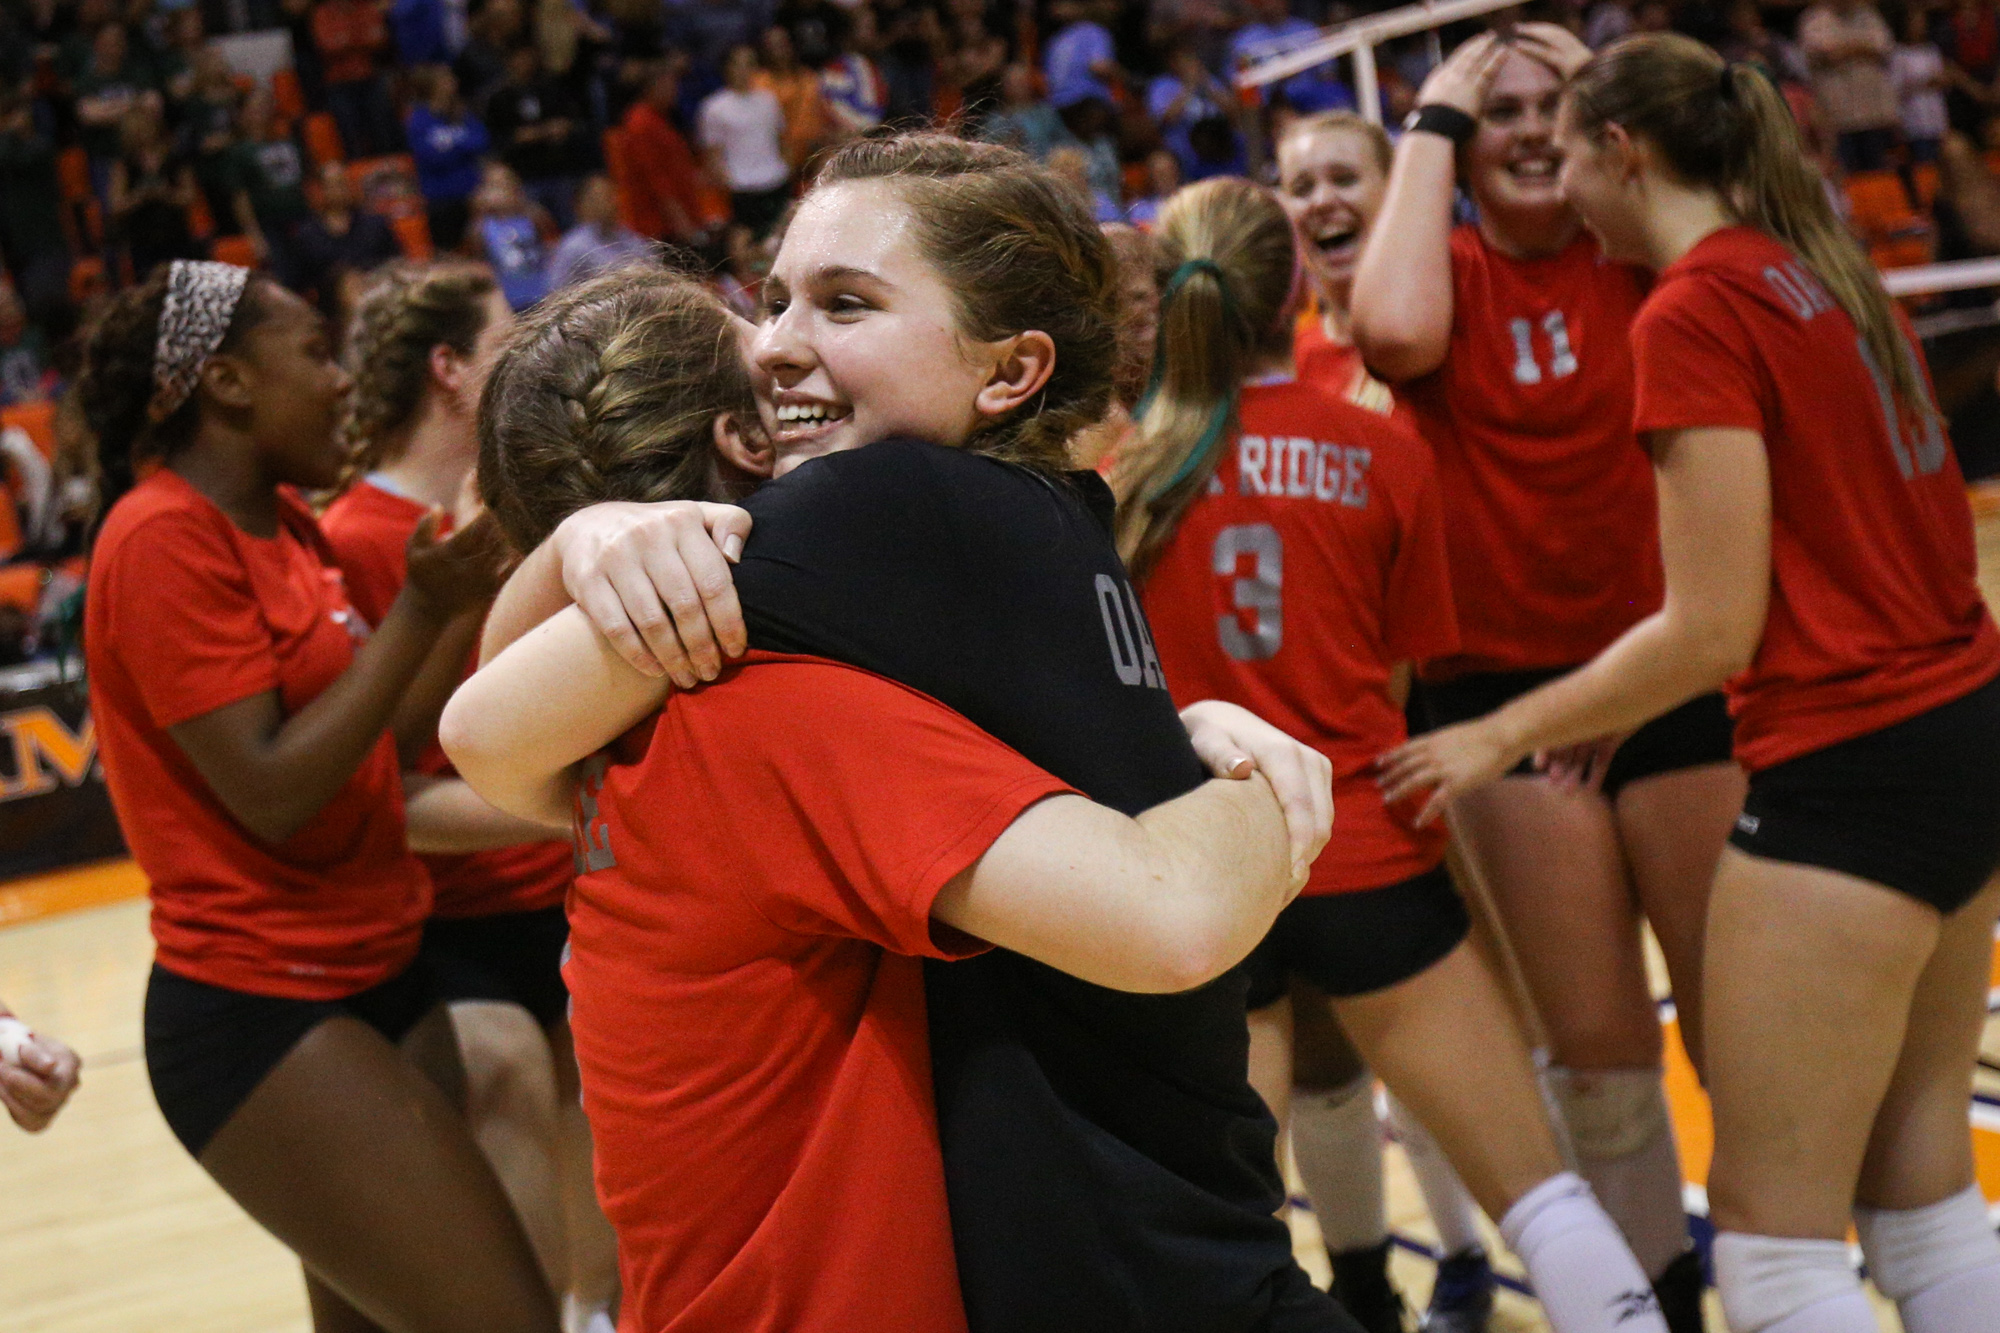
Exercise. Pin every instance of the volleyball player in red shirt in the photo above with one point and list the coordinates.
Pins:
(422, 341)
(1510, 338)
(1819, 558)
(1333, 173)
(1291, 551)
(244, 712)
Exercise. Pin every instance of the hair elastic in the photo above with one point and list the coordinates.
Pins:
(1725, 81)
(202, 296)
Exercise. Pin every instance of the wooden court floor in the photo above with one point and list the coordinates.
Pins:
(106, 1225)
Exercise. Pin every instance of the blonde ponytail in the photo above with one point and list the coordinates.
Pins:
(1232, 277)
(1726, 127)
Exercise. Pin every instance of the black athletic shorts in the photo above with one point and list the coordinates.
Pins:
(1698, 732)
(511, 957)
(207, 1047)
(1354, 943)
(1914, 806)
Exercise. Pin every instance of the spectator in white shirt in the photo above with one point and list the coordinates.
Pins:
(1916, 68)
(1847, 44)
(741, 129)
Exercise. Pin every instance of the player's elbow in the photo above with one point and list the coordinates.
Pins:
(1191, 947)
(1399, 344)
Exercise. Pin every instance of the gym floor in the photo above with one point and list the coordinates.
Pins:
(108, 1226)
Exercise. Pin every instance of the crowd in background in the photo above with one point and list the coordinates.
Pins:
(553, 138)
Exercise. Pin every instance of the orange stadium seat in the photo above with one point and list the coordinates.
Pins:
(87, 278)
(233, 250)
(287, 95)
(1881, 205)
(1925, 177)
(323, 139)
(38, 420)
(201, 221)
(73, 174)
(413, 234)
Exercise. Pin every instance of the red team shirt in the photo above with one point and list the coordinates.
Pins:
(188, 613)
(1552, 527)
(748, 1001)
(1338, 368)
(1315, 562)
(1875, 612)
(369, 529)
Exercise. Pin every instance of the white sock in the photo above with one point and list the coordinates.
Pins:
(578, 1317)
(1778, 1284)
(1583, 1273)
(1940, 1264)
(1624, 1144)
(1338, 1143)
(1453, 1213)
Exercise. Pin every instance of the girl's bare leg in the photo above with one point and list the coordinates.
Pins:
(357, 1163)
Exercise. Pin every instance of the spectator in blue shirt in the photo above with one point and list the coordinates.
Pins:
(1024, 120)
(1274, 30)
(1180, 99)
(509, 236)
(1081, 62)
(447, 142)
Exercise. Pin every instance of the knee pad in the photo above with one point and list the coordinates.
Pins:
(1911, 1250)
(1610, 1113)
(1764, 1279)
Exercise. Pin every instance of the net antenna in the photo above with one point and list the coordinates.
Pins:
(1358, 39)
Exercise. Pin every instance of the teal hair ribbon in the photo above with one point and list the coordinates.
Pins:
(1218, 420)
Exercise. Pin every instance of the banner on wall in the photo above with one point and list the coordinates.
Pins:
(54, 808)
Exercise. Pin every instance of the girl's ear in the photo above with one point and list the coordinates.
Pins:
(1625, 154)
(226, 380)
(746, 451)
(447, 368)
(1020, 371)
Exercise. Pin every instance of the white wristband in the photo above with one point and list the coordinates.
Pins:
(14, 1034)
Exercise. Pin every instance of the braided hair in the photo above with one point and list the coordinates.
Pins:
(117, 385)
(409, 310)
(609, 391)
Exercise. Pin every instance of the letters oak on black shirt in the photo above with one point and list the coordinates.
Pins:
(1108, 1164)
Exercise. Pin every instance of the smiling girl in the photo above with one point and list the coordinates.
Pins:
(1333, 174)
(245, 714)
(1106, 1161)
(1510, 339)
(1819, 559)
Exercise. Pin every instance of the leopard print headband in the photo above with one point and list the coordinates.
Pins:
(201, 299)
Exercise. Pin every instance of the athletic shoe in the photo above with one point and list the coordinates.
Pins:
(1361, 1284)
(1679, 1288)
(1462, 1298)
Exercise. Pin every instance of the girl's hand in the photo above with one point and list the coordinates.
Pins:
(1448, 763)
(1234, 743)
(36, 1082)
(1554, 45)
(1579, 767)
(654, 579)
(1462, 80)
(462, 571)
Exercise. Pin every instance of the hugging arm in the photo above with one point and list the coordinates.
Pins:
(1161, 903)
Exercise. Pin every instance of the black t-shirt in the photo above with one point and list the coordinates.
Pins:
(1109, 1166)
(515, 106)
